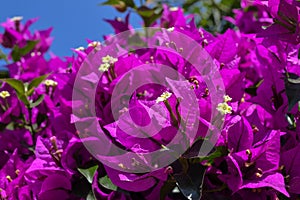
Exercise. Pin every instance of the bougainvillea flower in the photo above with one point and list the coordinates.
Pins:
(256, 167)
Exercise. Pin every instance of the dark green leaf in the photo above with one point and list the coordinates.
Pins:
(40, 118)
(35, 83)
(3, 56)
(38, 101)
(111, 2)
(91, 196)
(149, 15)
(81, 187)
(144, 11)
(3, 72)
(292, 88)
(291, 120)
(18, 52)
(89, 173)
(106, 182)
(190, 183)
(129, 3)
(168, 186)
(295, 81)
(252, 90)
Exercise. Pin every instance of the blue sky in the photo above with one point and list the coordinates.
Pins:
(73, 21)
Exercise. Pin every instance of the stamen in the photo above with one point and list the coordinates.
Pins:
(9, 178)
(17, 172)
(54, 143)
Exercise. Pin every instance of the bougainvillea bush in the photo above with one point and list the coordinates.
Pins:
(49, 142)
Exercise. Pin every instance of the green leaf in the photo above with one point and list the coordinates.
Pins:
(41, 118)
(292, 89)
(149, 15)
(38, 101)
(106, 182)
(91, 196)
(10, 126)
(129, 3)
(219, 152)
(295, 81)
(24, 99)
(190, 183)
(144, 11)
(18, 52)
(253, 89)
(35, 83)
(167, 188)
(3, 72)
(291, 120)
(110, 2)
(89, 173)
(17, 85)
(3, 56)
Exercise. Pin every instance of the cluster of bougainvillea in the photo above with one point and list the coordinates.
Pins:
(256, 157)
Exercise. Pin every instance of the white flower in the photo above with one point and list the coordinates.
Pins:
(106, 62)
(109, 59)
(163, 97)
(50, 82)
(95, 44)
(104, 67)
(4, 94)
(79, 49)
(35, 54)
(174, 8)
(227, 98)
(171, 29)
(224, 108)
(16, 18)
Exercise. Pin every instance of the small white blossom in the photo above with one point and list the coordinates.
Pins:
(171, 29)
(224, 108)
(174, 8)
(79, 49)
(109, 59)
(50, 82)
(95, 44)
(4, 94)
(35, 54)
(163, 97)
(227, 98)
(16, 18)
(106, 62)
(104, 67)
